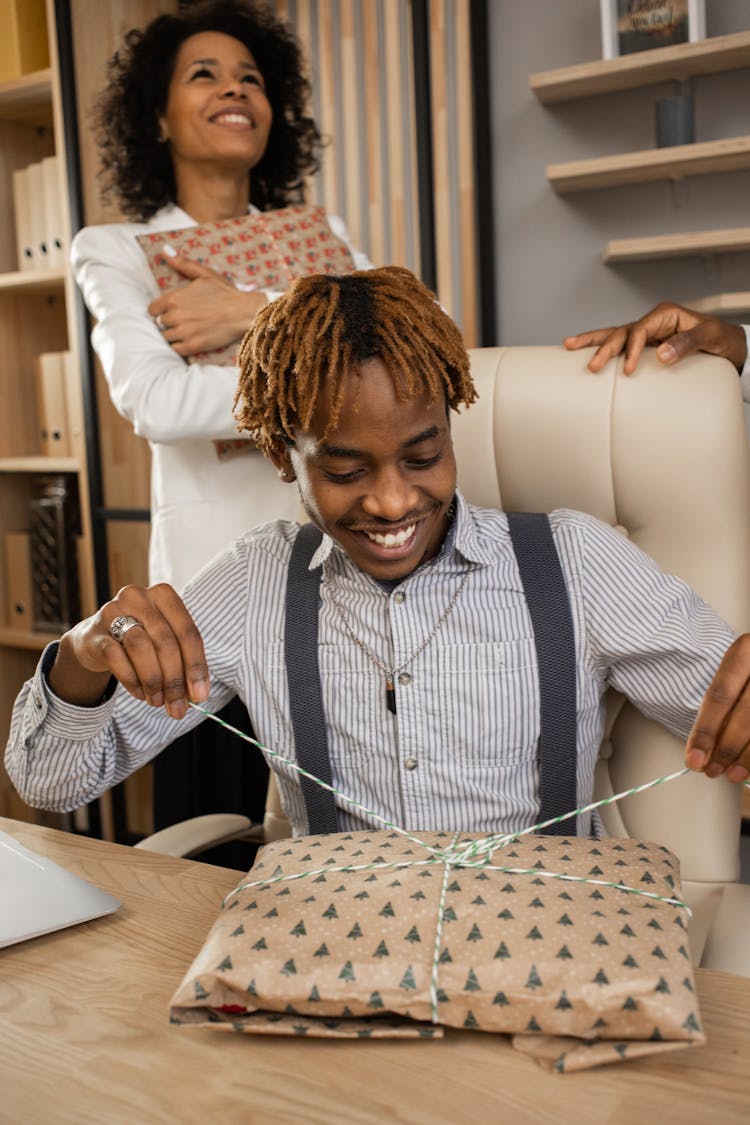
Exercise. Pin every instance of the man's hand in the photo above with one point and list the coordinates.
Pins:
(161, 660)
(720, 739)
(676, 330)
(206, 313)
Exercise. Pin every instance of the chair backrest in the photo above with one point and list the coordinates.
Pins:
(663, 456)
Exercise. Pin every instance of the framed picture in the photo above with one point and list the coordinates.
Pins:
(639, 25)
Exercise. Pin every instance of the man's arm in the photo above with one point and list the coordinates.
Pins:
(677, 332)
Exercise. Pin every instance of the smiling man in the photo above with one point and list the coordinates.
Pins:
(424, 644)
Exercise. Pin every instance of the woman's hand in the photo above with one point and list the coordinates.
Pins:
(160, 659)
(720, 739)
(207, 313)
(676, 330)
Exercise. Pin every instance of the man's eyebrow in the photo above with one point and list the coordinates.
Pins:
(344, 451)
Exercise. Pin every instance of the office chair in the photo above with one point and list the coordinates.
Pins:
(662, 456)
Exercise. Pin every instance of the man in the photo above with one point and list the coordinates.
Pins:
(425, 646)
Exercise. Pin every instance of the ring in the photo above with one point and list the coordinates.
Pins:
(121, 624)
(159, 321)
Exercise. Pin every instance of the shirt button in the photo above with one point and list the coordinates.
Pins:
(411, 763)
(399, 598)
(404, 678)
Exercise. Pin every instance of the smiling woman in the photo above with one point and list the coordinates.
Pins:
(204, 118)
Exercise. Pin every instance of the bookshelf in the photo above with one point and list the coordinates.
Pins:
(680, 64)
(38, 314)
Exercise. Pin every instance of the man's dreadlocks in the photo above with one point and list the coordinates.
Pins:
(321, 329)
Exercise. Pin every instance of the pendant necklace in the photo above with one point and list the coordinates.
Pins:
(392, 675)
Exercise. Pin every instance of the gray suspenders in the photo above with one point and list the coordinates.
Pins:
(549, 607)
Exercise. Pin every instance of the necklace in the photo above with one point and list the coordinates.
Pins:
(391, 674)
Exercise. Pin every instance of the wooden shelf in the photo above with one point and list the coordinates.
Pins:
(700, 242)
(644, 166)
(28, 99)
(16, 638)
(39, 464)
(33, 281)
(662, 64)
(723, 304)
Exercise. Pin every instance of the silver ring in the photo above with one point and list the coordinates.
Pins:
(121, 624)
(159, 321)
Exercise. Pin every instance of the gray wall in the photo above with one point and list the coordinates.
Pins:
(551, 280)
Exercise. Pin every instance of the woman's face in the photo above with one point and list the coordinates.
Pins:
(217, 110)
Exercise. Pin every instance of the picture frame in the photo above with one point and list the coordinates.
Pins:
(630, 26)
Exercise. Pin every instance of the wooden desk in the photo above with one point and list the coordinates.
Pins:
(85, 1037)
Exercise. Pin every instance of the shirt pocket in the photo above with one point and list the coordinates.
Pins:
(354, 700)
(488, 702)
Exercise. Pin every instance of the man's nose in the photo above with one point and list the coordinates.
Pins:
(391, 497)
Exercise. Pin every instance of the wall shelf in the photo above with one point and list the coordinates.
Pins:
(39, 464)
(729, 155)
(33, 281)
(663, 64)
(691, 243)
(723, 304)
(27, 99)
(34, 642)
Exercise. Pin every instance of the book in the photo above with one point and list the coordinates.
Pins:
(267, 250)
(18, 588)
(22, 214)
(23, 43)
(54, 222)
(52, 408)
(37, 229)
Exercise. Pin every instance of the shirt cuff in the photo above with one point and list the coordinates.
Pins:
(745, 372)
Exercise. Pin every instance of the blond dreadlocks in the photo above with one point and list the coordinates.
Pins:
(316, 333)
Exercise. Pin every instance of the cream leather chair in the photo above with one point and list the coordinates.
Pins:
(663, 456)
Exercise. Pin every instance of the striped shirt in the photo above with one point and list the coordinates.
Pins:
(461, 750)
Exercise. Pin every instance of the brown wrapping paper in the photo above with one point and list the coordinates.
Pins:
(579, 973)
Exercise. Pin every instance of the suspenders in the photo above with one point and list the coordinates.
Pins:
(549, 607)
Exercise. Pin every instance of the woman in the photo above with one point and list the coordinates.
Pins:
(203, 118)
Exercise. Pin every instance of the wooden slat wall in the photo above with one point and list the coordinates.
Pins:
(360, 63)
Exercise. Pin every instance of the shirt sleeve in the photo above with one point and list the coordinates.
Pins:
(60, 756)
(166, 399)
(745, 372)
(649, 634)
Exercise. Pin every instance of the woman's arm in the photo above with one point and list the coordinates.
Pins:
(166, 399)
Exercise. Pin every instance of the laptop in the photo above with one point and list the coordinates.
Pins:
(37, 896)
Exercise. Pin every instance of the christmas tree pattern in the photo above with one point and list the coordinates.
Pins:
(511, 951)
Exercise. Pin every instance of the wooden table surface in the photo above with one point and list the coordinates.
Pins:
(85, 1035)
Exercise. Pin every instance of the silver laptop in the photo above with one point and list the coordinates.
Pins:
(37, 896)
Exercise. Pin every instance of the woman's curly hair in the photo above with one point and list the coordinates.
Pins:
(136, 164)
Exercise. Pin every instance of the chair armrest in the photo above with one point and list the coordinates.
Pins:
(201, 832)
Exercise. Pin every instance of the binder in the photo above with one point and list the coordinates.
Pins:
(22, 208)
(52, 409)
(73, 407)
(37, 218)
(18, 588)
(23, 43)
(53, 213)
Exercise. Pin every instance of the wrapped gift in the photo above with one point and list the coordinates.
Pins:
(266, 250)
(576, 947)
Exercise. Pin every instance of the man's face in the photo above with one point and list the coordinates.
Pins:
(381, 482)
